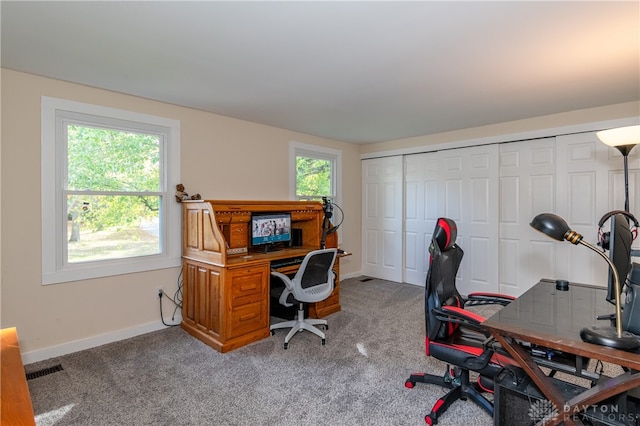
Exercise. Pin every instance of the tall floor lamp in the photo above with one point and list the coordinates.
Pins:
(623, 139)
(556, 227)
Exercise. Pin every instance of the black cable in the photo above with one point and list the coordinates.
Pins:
(600, 365)
(176, 300)
(177, 297)
(335, 228)
(161, 316)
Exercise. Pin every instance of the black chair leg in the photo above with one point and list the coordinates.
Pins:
(442, 404)
(476, 396)
(460, 388)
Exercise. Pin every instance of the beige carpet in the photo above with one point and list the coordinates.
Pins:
(170, 378)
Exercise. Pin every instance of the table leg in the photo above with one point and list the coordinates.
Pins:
(605, 389)
(539, 378)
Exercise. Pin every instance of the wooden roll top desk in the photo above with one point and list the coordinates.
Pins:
(225, 300)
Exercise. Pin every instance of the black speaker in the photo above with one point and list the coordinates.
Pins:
(296, 237)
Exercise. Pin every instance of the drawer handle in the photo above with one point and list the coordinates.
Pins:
(247, 288)
(247, 317)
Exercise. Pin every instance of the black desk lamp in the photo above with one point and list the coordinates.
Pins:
(555, 227)
(623, 139)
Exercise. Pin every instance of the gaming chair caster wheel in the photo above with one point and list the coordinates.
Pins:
(286, 345)
(429, 420)
(273, 332)
(324, 341)
(409, 384)
(326, 327)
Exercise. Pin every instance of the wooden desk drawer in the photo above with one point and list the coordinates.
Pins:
(247, 303)
(249, 284)
(247, 318)
(238, 235)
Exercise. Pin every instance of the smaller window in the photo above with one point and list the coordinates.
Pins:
(316, 172)
(316, 175)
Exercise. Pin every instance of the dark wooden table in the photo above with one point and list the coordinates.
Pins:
(552, 319)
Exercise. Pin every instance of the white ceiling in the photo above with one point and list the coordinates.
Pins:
(354, 71)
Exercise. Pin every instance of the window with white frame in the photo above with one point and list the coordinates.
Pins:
(315, 172)
(106, 205)
(316, 176)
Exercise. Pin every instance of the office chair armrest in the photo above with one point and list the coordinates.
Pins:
(488, 299)
(285, 279)
(288, 288)
(461, 315)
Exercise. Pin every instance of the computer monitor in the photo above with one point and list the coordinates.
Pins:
(620, 240)
(270, 230)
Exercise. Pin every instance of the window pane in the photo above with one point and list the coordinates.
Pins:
(313, 177)
(102, 159)
(110, 227)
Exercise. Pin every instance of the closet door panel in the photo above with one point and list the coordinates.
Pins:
(470, 193)
(382, 218)
(421, 213)
(582, 198)
(411, 216)
(453, 198)
(527, 187)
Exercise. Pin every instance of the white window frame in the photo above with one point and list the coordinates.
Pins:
(53, 159)
(305, 150)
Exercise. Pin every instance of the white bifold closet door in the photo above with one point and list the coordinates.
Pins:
(590, 183)
(461, 184)
(382, 218)
(527, 188)
(493, 192)
(421, 211)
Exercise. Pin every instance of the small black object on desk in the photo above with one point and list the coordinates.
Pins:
(562, 285)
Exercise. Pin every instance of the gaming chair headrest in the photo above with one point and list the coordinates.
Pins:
(445, 233)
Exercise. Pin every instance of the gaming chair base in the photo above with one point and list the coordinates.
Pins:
(459, 389)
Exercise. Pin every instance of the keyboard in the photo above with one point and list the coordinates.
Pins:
(290, 261)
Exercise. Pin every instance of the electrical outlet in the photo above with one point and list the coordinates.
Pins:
(160, 292)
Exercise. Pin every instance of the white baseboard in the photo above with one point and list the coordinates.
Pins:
(93, 341)
(103, 339)
(351, 275)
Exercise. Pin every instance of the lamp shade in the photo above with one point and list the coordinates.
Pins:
(551, 225)
(628, 135)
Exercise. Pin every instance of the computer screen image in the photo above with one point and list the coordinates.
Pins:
(270, 229)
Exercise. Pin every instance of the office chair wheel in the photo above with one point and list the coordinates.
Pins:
(430, 420)
(286, 345)
(273, 332)
(324, 341)
(410, 384)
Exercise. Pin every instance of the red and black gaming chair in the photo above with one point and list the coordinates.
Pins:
(453, 334)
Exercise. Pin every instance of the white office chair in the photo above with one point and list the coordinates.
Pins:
(312, 283)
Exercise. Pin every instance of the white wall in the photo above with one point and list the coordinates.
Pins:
(536, 127)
